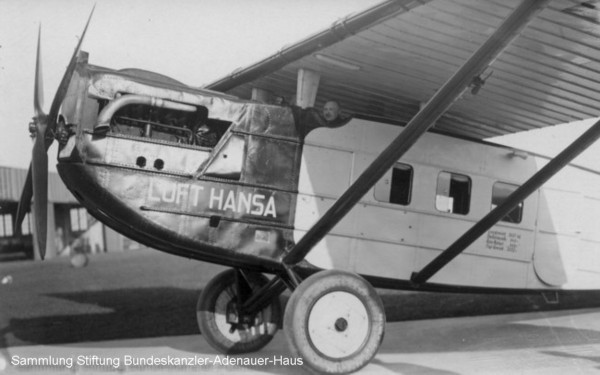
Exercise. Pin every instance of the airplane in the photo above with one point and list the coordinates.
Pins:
(399, 193)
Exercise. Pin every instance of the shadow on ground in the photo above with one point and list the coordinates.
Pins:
(167, 311)
(125, 313)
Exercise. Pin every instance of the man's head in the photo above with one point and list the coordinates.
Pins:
(331, 110)
(203, 129)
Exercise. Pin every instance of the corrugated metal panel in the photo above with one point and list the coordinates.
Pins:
(13, 179)
(548, 76)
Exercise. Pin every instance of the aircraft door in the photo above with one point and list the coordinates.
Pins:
(557, 246)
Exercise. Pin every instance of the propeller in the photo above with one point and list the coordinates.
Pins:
(43, 129)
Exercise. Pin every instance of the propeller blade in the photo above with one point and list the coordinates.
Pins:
(25, 202)
(44, 128)
(38, 90)
(64, 83)
(39, 170)
(40, 117)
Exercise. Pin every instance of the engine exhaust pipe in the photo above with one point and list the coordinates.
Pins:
(107, 113)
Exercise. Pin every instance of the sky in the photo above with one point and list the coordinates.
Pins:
(193, 41)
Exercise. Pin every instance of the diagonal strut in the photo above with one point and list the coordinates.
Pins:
(530, 186)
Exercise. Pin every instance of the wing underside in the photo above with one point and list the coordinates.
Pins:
(387, 61)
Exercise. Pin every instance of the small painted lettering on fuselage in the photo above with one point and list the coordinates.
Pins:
(197, 197)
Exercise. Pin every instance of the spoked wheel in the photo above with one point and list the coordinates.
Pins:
(220, 322)
(335, 321)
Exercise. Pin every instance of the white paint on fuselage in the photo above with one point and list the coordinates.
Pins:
(186, 196)
(555, 245)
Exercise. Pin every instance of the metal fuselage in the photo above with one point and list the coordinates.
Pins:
(247, 200)
(231, 203)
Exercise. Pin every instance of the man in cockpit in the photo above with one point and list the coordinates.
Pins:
(204, 136)
(308, 119)
(202, 133)
(331, 111)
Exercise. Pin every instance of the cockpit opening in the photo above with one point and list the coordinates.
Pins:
(182, 124)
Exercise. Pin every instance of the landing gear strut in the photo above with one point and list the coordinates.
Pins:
(334, 320)
(223, 322)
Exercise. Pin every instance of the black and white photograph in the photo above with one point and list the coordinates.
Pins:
(300, 187)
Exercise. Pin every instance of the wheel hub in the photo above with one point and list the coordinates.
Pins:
(232, 313)
(341, 324)
(236, 317)
(338, 324)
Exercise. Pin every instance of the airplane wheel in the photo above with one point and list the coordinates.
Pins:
(335, 321)
(220, 323)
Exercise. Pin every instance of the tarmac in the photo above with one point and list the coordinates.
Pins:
(462, 339)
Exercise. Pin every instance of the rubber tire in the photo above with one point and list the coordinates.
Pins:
(329, 285)
(216, 331)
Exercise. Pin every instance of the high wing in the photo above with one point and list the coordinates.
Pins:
(389, 60)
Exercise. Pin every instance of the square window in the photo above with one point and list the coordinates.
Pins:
(501, 191)
(78, 219)
(398, 188)
(6, 225)
(453, 193)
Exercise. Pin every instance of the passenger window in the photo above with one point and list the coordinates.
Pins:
(453, 193)
(396, 189)
(501, 191)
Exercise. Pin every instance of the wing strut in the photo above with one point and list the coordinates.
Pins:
(437, 105)
(577, 147)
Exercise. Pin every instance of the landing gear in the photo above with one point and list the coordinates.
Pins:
(222, 320)
(335, 321)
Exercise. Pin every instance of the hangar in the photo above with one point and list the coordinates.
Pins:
(71, 228)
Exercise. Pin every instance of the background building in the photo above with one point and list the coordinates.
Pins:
(70, 228)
